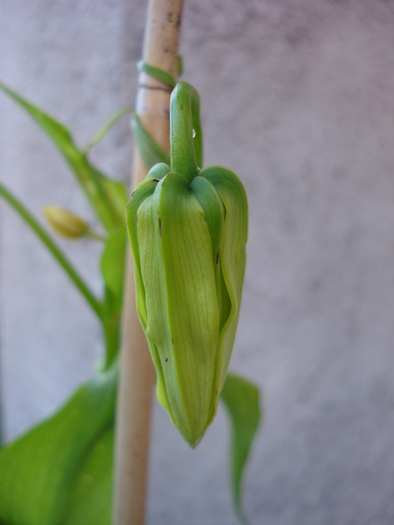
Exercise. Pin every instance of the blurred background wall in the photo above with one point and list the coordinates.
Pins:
(298, 99)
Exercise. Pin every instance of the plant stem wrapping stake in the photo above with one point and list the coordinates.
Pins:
(188, 233)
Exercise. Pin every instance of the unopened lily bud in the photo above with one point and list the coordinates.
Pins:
(188, 232)
(66, 223)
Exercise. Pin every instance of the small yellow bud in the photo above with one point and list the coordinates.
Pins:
(66, 223)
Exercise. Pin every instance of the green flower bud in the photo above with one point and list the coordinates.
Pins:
(188, 232)
(65, 223)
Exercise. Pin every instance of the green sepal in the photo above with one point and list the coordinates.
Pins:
(158, 172)
(143, 190)
(233, 253)
(210, 202)
(152, 283)
(191, 302)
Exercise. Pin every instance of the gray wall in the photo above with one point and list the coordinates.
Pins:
(297, 98)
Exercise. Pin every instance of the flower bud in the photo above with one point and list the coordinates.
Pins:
(188, 232)
(66, 223)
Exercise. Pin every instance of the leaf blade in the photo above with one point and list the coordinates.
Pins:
(107, 197)
(112, 266)
(241, 399)
(112, 262)
(53, 249)
(148, 148)
(38, 470)
(90, 501)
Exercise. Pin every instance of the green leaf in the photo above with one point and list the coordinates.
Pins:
(107, 126)
(150, 151)
(241, 399)
(117, 195)
(60, 472)
(159, 74)
(112, 262)
(52, 247)
(112, 266)
(90, 497)
(108, 198)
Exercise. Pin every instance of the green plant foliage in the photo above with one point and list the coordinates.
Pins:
(90, 500)
(108, 198)
(160, 74)
(241, 398)
(46, 474)
(113, 261)
(60, 472)
(151, 153)
(112, 265)
(104, 130)
(52, 247)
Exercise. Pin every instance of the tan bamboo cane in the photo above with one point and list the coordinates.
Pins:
(136, 371)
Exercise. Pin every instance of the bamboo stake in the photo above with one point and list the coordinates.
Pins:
(136, 372)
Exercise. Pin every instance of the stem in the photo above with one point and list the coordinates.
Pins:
(111, 337)
(104, 130)
(137, 373)
(54, 250)
(186, 135)
(92, 234)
